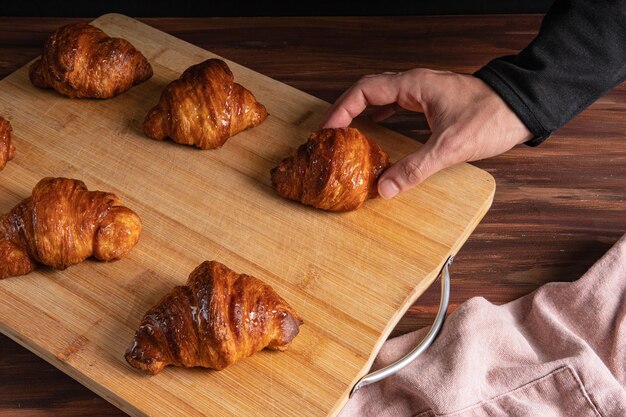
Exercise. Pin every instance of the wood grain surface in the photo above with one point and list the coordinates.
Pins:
(349, 276)
(557, 208)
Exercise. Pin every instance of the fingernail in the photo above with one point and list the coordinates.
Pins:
(388, 189)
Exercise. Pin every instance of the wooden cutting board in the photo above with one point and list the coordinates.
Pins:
(350, 276)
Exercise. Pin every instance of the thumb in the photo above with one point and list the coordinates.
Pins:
(411, 170)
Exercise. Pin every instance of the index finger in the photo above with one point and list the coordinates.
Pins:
(374, 90)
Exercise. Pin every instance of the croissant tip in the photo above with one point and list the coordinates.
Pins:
(137, 359)
(35, 76)
(33, 66)
(145, 71)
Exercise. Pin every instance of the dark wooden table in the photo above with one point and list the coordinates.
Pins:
(557, 207)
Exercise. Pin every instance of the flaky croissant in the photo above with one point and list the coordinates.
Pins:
(80, 60)
(7, 149)
(204, 107)
(63, 224)
(216, 319)
(336, 170)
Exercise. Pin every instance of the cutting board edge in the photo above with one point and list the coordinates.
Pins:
(414, 295)
(72, 372)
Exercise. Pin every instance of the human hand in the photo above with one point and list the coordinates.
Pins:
(468, 120)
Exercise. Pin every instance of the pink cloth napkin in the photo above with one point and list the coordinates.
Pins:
(560, 351)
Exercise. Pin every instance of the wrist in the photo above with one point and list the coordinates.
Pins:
(515, 104)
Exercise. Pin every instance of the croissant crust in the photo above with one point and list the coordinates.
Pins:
(62, 224)
(336, 170)
(80, 60)
(216, 319)
(204, 107)
(7, 149)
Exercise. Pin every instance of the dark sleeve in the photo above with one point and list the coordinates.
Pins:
(578, 55)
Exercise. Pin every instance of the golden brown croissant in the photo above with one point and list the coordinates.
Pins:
(336, 170)
(80, 60)
(7, 150)
(63, 224)
(218, 318)
(204, 107)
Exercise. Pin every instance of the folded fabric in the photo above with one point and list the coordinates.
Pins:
(559, 351)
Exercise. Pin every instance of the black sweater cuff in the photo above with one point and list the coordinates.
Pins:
(508, 94)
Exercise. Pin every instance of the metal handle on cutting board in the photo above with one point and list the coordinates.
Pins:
(424, 344)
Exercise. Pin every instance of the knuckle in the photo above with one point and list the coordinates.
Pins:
(424, 74)
(413, 172)
(418, 71)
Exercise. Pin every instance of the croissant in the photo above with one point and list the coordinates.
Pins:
(216, 319)
(204, 107)
(7, 150)
(336, 170)
(63, 224)
(80, 60)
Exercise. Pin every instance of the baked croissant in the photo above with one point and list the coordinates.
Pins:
(216, 319)
(63, 224)
(80, 60)
(7, 150)
(204, 107)
(336, 170)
